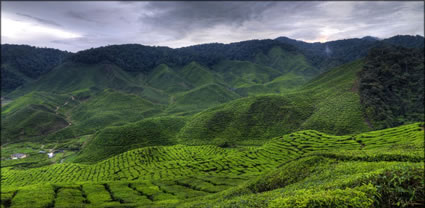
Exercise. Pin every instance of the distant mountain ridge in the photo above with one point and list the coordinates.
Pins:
(120, 84)
(333, 53)
(17, 71)
(21, 64)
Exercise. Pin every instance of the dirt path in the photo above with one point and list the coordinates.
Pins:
(67, 118)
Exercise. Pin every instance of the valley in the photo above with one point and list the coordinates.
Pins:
(260, 123)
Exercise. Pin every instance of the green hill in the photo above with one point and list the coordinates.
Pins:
(114, 140)
(245, 119)
(111, 107)
(243, 73)
(164, 78)
(256, 123)
(197, 75)
(32, 115)
(306, 166)
(286, 61)
(328, 103)
(201, 98)
(21, 64)
(75, 78)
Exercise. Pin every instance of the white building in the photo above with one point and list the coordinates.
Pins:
(18, 156)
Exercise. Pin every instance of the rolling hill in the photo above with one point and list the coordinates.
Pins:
(280, 173)
(21, 64)
(259, 123)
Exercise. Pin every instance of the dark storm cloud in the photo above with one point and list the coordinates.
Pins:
(80, 25)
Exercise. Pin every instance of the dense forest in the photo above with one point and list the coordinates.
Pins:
(391, 86)
(139, 58)
(22, 62)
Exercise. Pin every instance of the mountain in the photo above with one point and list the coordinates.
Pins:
(160, 81)
(333, 53)
(21, 64)
(327, 103)
(260, 123)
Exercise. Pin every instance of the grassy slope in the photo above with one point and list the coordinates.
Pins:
(112, 107)
(114, 140)
(165, 78)
(243, 73)
(340, 177)
(250, 120)
(187, 90)
(329, 103)
(71, 77)
(198, 75)
(201, 98)
(336, 100)
(32, 115)
(303, 166)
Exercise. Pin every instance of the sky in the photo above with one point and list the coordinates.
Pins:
(75, 26)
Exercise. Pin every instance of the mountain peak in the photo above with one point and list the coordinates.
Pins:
(372, 38)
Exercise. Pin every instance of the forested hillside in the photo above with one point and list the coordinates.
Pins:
(334, 53)
(391, 86)
(21, 64)
(260, 123)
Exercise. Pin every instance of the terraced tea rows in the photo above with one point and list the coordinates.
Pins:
(115, 194)
(157, 176)
(154, 163)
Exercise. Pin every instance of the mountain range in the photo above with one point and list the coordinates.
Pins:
(101, 105)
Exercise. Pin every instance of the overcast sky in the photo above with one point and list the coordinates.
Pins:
(75, 26)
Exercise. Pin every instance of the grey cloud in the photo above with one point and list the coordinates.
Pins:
(177, 24)
(40, 20)
(181, 18)
(80, 16)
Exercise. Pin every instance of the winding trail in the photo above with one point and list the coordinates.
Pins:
(67, 118)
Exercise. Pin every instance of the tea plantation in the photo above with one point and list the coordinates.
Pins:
(301, 169)
(258, 123)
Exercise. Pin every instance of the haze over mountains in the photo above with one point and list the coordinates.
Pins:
(247, 106)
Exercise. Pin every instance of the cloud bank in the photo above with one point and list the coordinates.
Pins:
(75, 26)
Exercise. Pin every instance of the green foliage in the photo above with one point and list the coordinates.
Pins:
(334, 53)
(305, 169)
(362, 196)
(215, 125)
(30, 116)
(327, 103)
(198, 75)
(246, 119)
(75, 78)
(133, 57)
(114, 140)
(291, 173)
(391, 86)
(110, 107)
(164, 78)
(22, 63)
(201, 98)
(69, 197)
(403, 187)
(34, 196)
